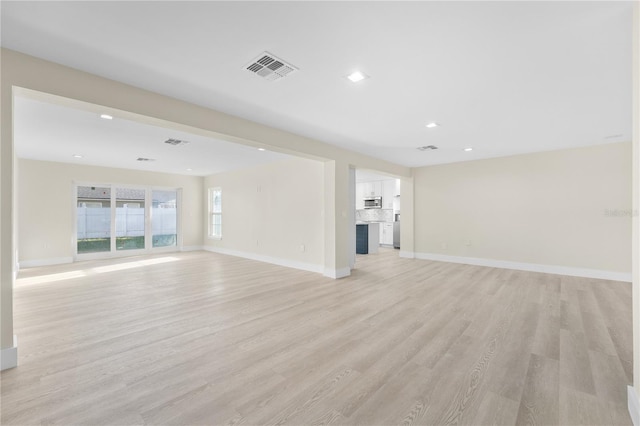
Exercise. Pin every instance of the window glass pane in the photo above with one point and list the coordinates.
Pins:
(164, 218)
(93, 219)
(216, 202)
(130, 218)
(215, 212)
(216, 222)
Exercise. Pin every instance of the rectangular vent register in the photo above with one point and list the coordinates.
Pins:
(270, 67)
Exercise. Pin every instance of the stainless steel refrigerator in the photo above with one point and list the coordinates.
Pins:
(396, 233)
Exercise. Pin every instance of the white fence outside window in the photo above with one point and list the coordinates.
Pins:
(96, 222)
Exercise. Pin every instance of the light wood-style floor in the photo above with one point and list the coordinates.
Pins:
(200, 338)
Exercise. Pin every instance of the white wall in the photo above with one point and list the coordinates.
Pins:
(46, 199)
(545, 208)
(270, 211)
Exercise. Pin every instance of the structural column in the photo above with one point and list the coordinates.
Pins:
(336, 219)
(8, 350)
(406, 217)
(634, 392)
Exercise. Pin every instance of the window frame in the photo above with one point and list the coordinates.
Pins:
(212, 213)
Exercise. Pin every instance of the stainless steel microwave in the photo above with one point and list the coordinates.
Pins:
(373, 203)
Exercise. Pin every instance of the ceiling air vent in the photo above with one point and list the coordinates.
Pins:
(270, 67)
(144, 159)
(176, 142)
(427, 148)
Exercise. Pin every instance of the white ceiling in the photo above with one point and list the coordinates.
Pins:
(50, 132)
(502, 77)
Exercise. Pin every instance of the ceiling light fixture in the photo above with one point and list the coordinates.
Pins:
(261, 149)
(357, 76)
(189, 170)
(106, 117)
(468, 149)
(77, 156)
(432, 125)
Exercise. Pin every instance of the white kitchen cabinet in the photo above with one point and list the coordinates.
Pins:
(366, 189)
(372, 189)
(386, 233)
(360, 196)
(388, 193)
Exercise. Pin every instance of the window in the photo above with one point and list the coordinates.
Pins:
(215, 213)
(112, 218)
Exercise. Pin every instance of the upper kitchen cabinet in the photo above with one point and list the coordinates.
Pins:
(360, 196)
(388, 193)
(372, 189)
(388, 189)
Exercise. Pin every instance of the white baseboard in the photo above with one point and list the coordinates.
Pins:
(633, 405)
(533, 267)
(9, 356)
(61, 260)
(45, 262)
(268, 259)
(337, 273)
(407, 254)
(192, 248)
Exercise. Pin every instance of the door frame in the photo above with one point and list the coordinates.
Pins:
(148, 230)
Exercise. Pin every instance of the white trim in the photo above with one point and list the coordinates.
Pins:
(407, 254)
(634, 405)
(45, 262)
(9, 356)
(192, 248)
(533, 267)
(210, 213)
(268, 259)
(337, 273)
(148, 221)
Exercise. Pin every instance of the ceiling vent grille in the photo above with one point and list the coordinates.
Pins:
(427, 148)
(144, 159)
(270, 67)
(176, 142)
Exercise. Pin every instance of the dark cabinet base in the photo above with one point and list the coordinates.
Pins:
(362, 239)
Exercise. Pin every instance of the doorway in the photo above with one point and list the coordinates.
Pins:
(377, 211)
(113, 218)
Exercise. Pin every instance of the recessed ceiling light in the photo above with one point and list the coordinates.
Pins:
(189, 170)
(261, 149)
(432, 125)
(468, 149)
(357, 76)
(106, 117)
(77, 156)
